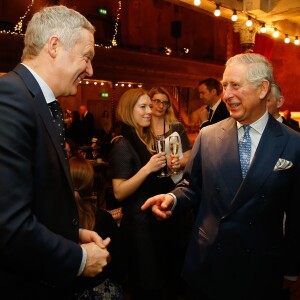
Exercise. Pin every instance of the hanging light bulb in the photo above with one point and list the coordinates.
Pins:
(287, 39)
(249, 22)
(296, 41)
(275, 33)
(263, 28)
(197, 2)
(167, 50)
(217, 12)
(234, 16)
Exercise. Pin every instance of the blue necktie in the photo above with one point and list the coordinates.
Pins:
(245, 150)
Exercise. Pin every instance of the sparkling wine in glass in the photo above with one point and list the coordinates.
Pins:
(160, 147)
(174, 147)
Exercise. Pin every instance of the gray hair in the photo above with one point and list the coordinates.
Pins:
(54, 20)
(276, 90)
(260, 68)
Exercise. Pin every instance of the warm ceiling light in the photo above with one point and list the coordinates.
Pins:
(217, 12)
(296, 41)
(275, 33)
(249, 22)
(167, 50)
(263, 28)
(234, 16)
(197, 2)
(287, 39)
(184, 50)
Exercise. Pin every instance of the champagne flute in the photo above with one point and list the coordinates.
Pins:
(174, 148)
(160, 147)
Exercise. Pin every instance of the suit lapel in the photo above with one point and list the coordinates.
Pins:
(230, 169)
(262, 164)
(44, 113)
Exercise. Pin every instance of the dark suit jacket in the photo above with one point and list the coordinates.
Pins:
(291, 125)
(39, 250)
(237, 249)
(220, 114)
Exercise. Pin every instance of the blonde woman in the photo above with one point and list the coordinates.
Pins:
(135, 167)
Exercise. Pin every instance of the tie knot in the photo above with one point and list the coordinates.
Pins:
(246, 128)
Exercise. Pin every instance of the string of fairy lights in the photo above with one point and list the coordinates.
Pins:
(18, 29)
(250, 21)
(110, 83)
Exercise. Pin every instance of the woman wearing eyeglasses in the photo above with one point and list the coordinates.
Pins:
(165, 123)
(134, 168)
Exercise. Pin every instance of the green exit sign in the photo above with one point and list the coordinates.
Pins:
(102, 11)
(104, 95)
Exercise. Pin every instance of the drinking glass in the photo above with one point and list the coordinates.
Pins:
(160, 147)
(174, 148)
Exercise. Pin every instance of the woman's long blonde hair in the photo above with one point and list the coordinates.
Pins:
(124, 113)
(82, 174)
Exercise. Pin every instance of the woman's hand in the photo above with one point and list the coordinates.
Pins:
(156, 162)
(175, 163)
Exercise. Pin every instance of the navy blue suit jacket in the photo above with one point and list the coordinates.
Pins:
(39, 250)
(237, 248)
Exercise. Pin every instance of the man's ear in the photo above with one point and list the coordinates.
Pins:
(53, 45)
(280, 102)
(264, 89)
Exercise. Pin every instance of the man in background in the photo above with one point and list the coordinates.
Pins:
(275, 101)
(87, 125)
(43, 251)
(214, 109)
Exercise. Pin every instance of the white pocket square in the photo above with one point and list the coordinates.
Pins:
(282, 164)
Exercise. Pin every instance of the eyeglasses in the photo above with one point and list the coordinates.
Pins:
(159, 102)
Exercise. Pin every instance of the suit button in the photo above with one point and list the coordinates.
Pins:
(75, 222)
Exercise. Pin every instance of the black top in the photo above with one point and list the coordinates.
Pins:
(145, 239)
(106, 226)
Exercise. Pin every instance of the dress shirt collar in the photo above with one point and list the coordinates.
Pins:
(280, 119)
(47, 92)
(259, 125)
(216, 105)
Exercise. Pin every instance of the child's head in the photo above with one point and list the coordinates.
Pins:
(82, 174)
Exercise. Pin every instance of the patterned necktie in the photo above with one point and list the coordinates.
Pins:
(245, 150)
(59, 121)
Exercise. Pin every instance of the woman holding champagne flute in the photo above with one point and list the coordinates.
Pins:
(135, 167)
(164, 123)
(178, 148)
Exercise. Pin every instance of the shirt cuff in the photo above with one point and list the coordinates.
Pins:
(175, 201)
(83, 262)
